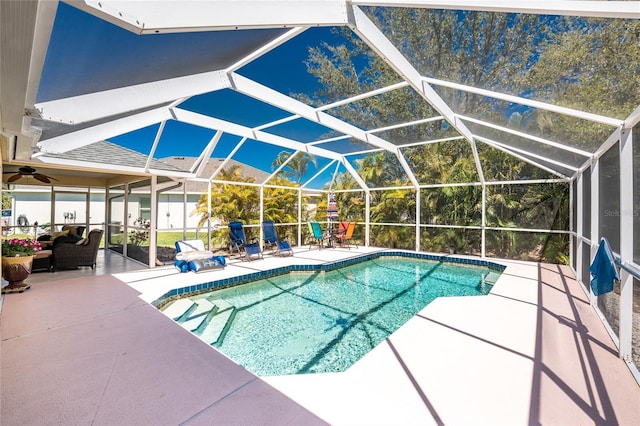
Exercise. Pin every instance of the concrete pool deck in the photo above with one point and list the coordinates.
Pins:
(91, 350)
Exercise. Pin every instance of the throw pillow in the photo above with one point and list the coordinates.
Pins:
(81, 242)
(60, 234)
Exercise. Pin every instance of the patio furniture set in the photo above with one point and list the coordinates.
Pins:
(67, 249)
(342, 236)
(192, 255)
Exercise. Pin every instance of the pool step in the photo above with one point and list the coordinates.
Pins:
(222, 304)
(195, 317)
(219, 321)
(178, 308)
(203, 307)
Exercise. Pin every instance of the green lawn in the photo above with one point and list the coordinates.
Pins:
(165, 239)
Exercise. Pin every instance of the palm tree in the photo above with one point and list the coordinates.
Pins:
(297, 167)
(230, 201)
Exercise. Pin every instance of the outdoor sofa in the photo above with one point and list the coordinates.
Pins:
(72, 254)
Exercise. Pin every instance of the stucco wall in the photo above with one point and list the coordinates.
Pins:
(71, 208)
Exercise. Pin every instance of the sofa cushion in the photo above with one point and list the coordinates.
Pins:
(60, 234)
(74, 230)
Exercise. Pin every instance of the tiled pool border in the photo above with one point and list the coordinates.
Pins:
(242, 279)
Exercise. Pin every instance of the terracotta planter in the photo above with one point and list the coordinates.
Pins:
(15, 270)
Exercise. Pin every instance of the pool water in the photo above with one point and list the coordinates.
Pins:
(324, 322)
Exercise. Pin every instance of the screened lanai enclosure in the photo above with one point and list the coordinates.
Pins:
(476, 128)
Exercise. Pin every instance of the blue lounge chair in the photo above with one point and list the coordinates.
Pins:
(246, 249)
(279, 247)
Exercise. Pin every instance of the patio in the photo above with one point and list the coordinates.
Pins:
(532, 352)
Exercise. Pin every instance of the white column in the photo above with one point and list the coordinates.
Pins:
(595, 220)
(579, 227)
(184, 210)
(418, 220)
(483, 248)
(209, 204)
(125, 220)
(87, 211)
(626, 242)
(299, 217)
(153, 226)
(367, 219)
(261, 214)
(107, 217)
(571, 219)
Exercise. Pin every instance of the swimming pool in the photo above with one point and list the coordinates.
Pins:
(322, 322)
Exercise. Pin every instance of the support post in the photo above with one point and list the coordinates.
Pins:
(483, 248)
(367, 197)
(261, 218)
(580, 226)
(626, 243)
(595, 220)
(418, 219)
(299, 217)
(209, 204)
(153, 226)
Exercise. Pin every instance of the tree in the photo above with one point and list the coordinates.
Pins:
(594, 66)
(489, 50)
(229, 201)
(296, 168)
(280, 204)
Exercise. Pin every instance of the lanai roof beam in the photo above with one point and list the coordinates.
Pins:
(595, 9)
(275, 98)
(527, 102)
(243, 131)
(104, 131)
(543, 141)
(526, 157)
(94, 106)
(184, 16)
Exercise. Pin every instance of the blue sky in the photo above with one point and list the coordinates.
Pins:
(87, 54)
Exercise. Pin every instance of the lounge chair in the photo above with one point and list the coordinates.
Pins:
(317, 236)
(245, 249)
(279, 247)
(346, 236)
(192, 256)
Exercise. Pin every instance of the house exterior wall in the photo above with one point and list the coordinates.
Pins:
(35, 205)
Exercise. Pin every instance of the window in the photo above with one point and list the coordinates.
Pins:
(144, 209)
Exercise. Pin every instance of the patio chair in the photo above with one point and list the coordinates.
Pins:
(246, 249)
(71, 255)
(342, 229)
(346, 236)
(317, 236)
(279, 247)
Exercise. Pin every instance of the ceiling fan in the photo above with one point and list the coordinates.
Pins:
(26, 171)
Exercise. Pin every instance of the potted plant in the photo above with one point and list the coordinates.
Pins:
(17, 258)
